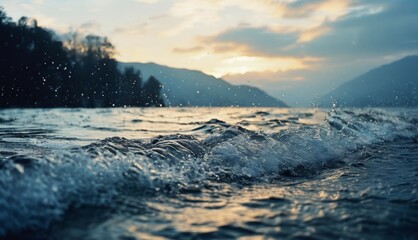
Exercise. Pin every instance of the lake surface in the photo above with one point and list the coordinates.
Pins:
(208, 173)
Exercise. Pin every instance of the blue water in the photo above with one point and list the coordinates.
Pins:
(217, 173)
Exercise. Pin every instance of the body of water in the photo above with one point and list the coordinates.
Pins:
(208, 173)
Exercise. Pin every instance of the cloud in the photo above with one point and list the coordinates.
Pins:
(195, 14)
(251, 41)
(262, 39)
(310, 34)
(375, 30)
(188, 50)
(391, 30)
(301, 8)
(245, 64)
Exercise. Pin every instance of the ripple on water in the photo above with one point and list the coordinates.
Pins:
(253, 173)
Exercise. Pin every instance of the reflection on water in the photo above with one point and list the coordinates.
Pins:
(218, 173)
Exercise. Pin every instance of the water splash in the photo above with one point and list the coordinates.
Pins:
(36, 190)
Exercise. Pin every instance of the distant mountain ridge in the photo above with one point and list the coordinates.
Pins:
(183, 87)
(391, 85)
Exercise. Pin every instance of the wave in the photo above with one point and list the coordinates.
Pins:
(34, 191)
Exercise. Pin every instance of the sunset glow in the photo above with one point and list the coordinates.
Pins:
(158, 31)
(276, 40)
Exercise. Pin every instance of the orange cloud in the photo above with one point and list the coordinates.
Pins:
(256, 65)
(188, 50)
(311, 34)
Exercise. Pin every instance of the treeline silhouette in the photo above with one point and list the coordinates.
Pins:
(38, 69)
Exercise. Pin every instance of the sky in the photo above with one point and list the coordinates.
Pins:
(296, 50)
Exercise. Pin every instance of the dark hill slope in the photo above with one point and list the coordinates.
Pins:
(391, 85)
(182, 87)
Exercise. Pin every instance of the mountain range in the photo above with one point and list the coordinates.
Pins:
(391, 85)
(183, 87)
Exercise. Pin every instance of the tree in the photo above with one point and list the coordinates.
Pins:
(31, 65)
(130, 87)
(4, 19)
(38, 70)
(94, 68)
(152, 89)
